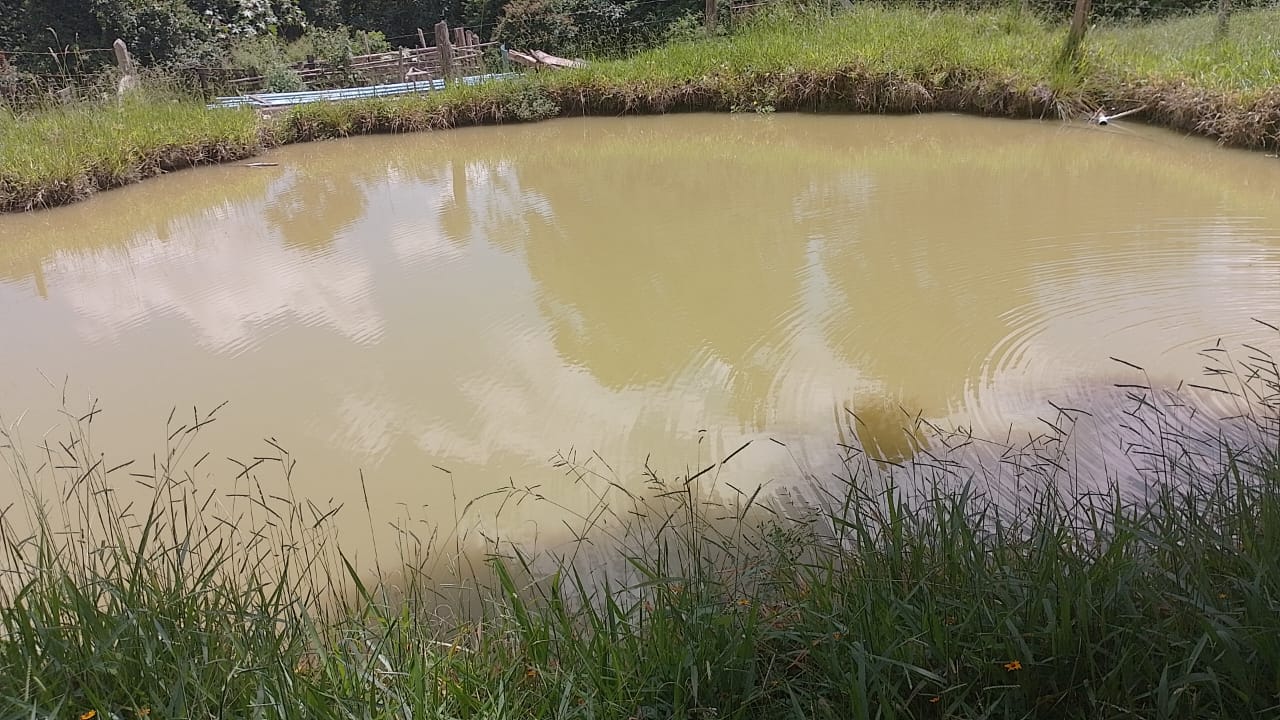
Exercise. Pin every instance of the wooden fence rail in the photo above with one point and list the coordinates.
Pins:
(465, 57)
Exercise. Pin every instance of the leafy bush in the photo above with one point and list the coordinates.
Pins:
(282, 78)
(233, 19)
(153, 29)
(539, 24)
(687, 27)
(591, 27)
(333, 47)
(531, 104)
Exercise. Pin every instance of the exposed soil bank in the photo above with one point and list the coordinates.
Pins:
(873, 60)
(1253, 124)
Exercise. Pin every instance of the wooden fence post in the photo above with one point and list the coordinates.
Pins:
(477, 62)
(128, 80)
(1224, 18)
(123, 61)
(422, 39)
(1079, 23)
(460, 51)
(446, 50)
(711, 17)
(8, 80)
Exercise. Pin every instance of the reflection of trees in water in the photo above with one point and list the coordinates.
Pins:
(317, 202)
(943, 278)
(658, 260)
(649, 265)
(489, 200)
(149, 211)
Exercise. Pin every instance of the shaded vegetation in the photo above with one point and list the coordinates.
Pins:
(60, 156)
(873, 59)
(909, 592)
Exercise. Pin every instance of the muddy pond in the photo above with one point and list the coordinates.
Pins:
(447, 314)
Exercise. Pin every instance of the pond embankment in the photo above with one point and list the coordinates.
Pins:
(924, 602)
(870, 60)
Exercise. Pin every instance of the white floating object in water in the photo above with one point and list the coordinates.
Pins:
(1102, 118)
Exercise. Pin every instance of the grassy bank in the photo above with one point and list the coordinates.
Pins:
(872, 59)
(900, 593)
(64, 155)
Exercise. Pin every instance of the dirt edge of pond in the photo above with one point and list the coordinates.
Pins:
(1231, 120)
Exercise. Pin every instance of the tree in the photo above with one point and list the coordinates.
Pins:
(58, 23)
(153, 29)
(396, 18)
(12, 36)
(322, 13)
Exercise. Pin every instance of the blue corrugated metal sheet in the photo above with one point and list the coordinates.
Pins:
(265, 100)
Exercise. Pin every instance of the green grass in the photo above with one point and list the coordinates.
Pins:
(877, 40)
(64, 154)
(902, 593)
(872, 59)
(1185, 50)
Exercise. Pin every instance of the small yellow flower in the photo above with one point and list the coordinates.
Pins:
(1013, 665)
(88, 715)
(144, 712)
(744, 602)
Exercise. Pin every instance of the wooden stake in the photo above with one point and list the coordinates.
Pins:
(446, 50)
(477, 62)
(422, 39)
(123, 61)
(1224, 18)
(711, 17)
(1079, 23)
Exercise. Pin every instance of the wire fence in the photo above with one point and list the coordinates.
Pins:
(80, 74)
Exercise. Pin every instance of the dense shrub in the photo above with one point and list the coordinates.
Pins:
(271, 57)
(589, 27)
(541, 24)
(153, 29)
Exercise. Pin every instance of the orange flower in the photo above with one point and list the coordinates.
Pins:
(88, 715)
(531, 673)
(1013, 665)
(744, 602)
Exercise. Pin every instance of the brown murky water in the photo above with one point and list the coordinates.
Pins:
(446, 312)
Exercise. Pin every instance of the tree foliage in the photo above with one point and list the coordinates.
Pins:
(199, 31)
